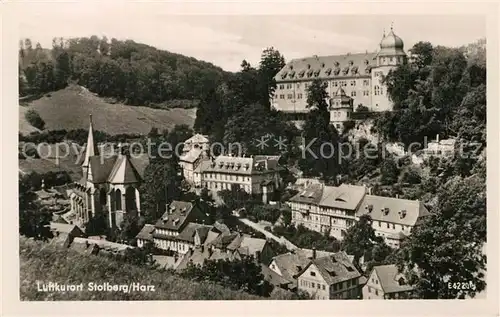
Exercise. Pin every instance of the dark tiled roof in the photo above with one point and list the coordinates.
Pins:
(189, 231)
(175, 217)
(64, 228)
(388, 277)
(310, 195)
(328, 67)
(336, 268)
(146, 232)
(242, 165)
(273, 277)
(290, 264)
(101, 168)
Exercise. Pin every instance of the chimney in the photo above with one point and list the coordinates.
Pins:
(437, 138)
(314, 253)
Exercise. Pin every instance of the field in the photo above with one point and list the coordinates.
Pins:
(46, 262)
(69, 109)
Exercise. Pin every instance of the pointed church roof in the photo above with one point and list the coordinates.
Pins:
(124, 172)
(91, 149)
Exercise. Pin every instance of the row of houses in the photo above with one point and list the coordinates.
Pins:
(333, 209)
(325, 275)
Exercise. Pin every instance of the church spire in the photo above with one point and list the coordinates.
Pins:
(91, 149)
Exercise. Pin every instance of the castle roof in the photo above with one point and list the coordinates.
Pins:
(328, 67)
(391, 44)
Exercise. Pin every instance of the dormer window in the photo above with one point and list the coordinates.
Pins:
(337, 64)
(354, 70)
(292, 74)
(309, 73)
(402, 214)
(301, 73)
(385, 211)
(322, 65)
(316, 73)
(291, 66)
(351, 63)
(308, 66)
(366, 62)
(328, 71)
(345, 70)
(336, 71)
(369, 208)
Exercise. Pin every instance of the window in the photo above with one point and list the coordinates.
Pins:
(353, 83)
(299, 96)
(388, 225)
(290, 96)
(298, 85)
(313, 273)
(353, 94)
(391, 59)
(379, 224)
(282, 96)
(313, 284)
(366, 93)
(369, 289)
(377, 91)
(366, 82)
(376, 292)
(282, 86)
(323, 286)
(393, 226)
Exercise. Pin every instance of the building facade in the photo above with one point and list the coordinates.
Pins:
(330, 277)
(255, 175)
(334, 209)
(341, 109)
(360, 75)
(109, 186)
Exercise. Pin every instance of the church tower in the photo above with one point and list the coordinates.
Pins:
(91, 149)
(390, 55)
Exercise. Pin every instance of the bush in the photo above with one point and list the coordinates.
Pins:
(34, 119)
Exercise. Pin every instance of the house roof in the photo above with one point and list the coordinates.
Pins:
(103, 244)
(343, 196)
(192, 155)
(334, 269)
(224, 240)
(310, 195)
(397, 236)
(146, 232)
(247, 245)
(412, 210)
(191, 229)
(307, 253)
(273, 277)
(168, 262)
(242, 165)
(175, 216)
(328, 67)
(290, 264)
(63, 227)
(197, 138)
(124, 172)
(388, 277)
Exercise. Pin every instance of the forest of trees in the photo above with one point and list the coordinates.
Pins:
(133, 73)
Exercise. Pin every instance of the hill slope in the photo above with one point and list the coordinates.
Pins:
(44, 262)
(69, 109)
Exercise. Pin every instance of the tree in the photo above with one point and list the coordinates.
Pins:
(447, 247)
(34, 220)
(320, 138)
(34, 119)
(389, 172)
(271, 62)
(360, 239)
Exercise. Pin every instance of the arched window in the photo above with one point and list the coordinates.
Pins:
(103, 197)
(130, 203)
(118, 200)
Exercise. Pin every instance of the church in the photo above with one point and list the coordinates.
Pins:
(109, 186)
(358, 77)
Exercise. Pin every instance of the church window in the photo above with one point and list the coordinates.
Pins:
(102, 197)
(118, 200)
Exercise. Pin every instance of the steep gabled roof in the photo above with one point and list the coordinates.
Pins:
(334, 269)
(388, 277)
(146, 232)
(100, 167)
(91, 147)
(124, 172)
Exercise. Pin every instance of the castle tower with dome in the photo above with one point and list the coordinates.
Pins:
(360, 75)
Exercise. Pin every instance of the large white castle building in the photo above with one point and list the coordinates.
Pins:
(358, 75)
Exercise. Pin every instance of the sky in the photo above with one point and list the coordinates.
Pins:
(225, 40)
